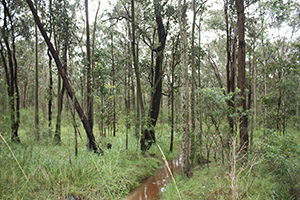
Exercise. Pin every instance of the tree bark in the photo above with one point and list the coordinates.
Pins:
(60, 99)
(89, 73)
(140, 104)
(36, 114)
(62, 72)
(157, 86)
(114, 89)
(193, 95)
(241, 79)
(229, 71)
(50, 93)
(11, 73)
(184, 59)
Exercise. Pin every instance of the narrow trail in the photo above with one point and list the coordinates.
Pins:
(152, 188)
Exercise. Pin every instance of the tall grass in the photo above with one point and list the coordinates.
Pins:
(271, 172)
(54, 172)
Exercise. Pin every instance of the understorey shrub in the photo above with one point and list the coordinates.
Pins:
(281, 158)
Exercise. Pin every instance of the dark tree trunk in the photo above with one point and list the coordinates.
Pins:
(60, 100)
(172, 96)
(229, 71)
(241, 80)
(50, 74)
(50, 92)
(89, 73)
(157, 86)
(62, 72)
(11, 73)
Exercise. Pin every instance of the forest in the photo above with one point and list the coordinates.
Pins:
(97, 96)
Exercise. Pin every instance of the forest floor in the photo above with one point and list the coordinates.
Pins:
(270, 171)
(41, 170)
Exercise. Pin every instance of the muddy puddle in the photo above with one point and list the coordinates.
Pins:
(152, 188)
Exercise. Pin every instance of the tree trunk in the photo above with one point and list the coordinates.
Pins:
(36, 114)
(200, 134)
(184, 59)
(172, 93)
(157, 86)
(138, 82)
(11, 74)
(60, 99)
(89, 73)
(50, 93)
(229, 72)
(62, 72)
(114, 89)
(241, 79)
(193, 96)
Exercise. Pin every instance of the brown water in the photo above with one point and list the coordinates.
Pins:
(152, 188)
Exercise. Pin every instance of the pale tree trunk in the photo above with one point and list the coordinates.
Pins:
(194, 81)
(93, 53)
(114, 89)
(241, 79)
(199, 97)
(140, 104)
(265, 65)
(127, 86)
(193, 96)
(184, 59)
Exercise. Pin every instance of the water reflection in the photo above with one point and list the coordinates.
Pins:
(151, 188)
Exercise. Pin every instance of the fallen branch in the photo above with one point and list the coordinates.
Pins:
(167, 164)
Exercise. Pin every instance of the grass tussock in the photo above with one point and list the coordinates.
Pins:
(54, 172)
(271, 171)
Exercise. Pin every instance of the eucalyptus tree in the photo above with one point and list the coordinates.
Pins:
(241, 78)
(12, 14)
(63, 24)
(175, 60)
(275, 66)
(197, 7)
(156, 42)
(36, 114)
(66, 81)
(184, 58)
(50, 93)
(88, 68)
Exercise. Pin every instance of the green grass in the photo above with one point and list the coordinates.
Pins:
(54, 172)
(274, 176)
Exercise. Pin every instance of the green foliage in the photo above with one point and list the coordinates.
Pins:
(54, 172)
(214, 101)
(281, 159)
(4, 117)
(270, 173)
(214, 183)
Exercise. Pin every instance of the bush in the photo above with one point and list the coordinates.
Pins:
(281, 158)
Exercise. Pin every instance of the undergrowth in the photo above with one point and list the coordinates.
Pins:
(270, 172)
(54, 172)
